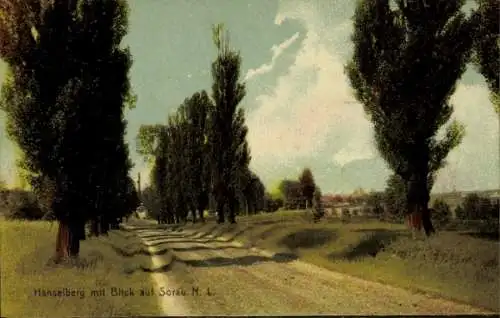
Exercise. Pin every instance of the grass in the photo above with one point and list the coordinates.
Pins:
(451, 264)
(26, 249)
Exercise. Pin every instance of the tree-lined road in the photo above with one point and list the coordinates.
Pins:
(244, 281)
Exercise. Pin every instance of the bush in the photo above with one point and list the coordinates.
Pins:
(440, 213)
(478, 208)
(318, 208)
(460, 213)
(272, 205)
(23, 205)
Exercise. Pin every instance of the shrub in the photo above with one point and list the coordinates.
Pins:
(440, 213)
(318, 210)
(476, 207)
(272, 205)
(23, 205)
(460, 212)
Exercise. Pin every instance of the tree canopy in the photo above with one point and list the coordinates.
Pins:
(64, 98)
(487, 46)
(406, 62)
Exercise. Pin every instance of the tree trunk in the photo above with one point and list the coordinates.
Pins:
(220, 212)
(418, 200)
(74, 240)
(62, 241)
(104, 225)
(232, 212)
(200, 212)
(193, 214)
(94, 226)
(427, 222)
(81, 228)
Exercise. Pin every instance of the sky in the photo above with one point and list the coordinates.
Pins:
(300, 108)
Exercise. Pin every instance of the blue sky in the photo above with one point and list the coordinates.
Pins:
(300, 107)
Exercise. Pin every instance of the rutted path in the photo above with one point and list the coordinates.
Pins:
(231, 279)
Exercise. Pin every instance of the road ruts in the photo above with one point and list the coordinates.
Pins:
(244, 282)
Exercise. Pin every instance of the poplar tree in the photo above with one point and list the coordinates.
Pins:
(406, 63)
(230, 155)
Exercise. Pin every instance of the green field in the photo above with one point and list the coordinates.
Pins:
(453, 265)
(26, 251)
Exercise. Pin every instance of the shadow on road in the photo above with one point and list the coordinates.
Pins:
(153, 239)
(133, 252)
(239, 233)
(205, 248)
(239, 261)
(161, 269)
(156, 234)
(168, 240)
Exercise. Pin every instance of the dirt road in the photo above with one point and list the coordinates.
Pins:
(211, 277)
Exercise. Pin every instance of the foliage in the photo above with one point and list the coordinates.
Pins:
(22, 205)
(376, 201)
(272, 203)
(146, 140)
(197, 158)
(230, 155)
(307, 185)
(186, 154)
(64, 99)
(292, 194)
(151, 202)
(253, 195)
(460, 212)
(275, 191)
(395, 198)
(405, 66)
(441, 213)
(475, 207)
(319, 211)
(486, 56)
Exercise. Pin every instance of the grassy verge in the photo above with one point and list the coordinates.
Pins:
(452, 264)
(105, 262)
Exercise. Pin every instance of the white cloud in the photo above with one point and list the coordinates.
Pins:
(277, 51)
(311, 104)
(309, 116)
(356, 150)
(475, 163)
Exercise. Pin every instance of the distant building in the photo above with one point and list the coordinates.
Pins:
(352, 208)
